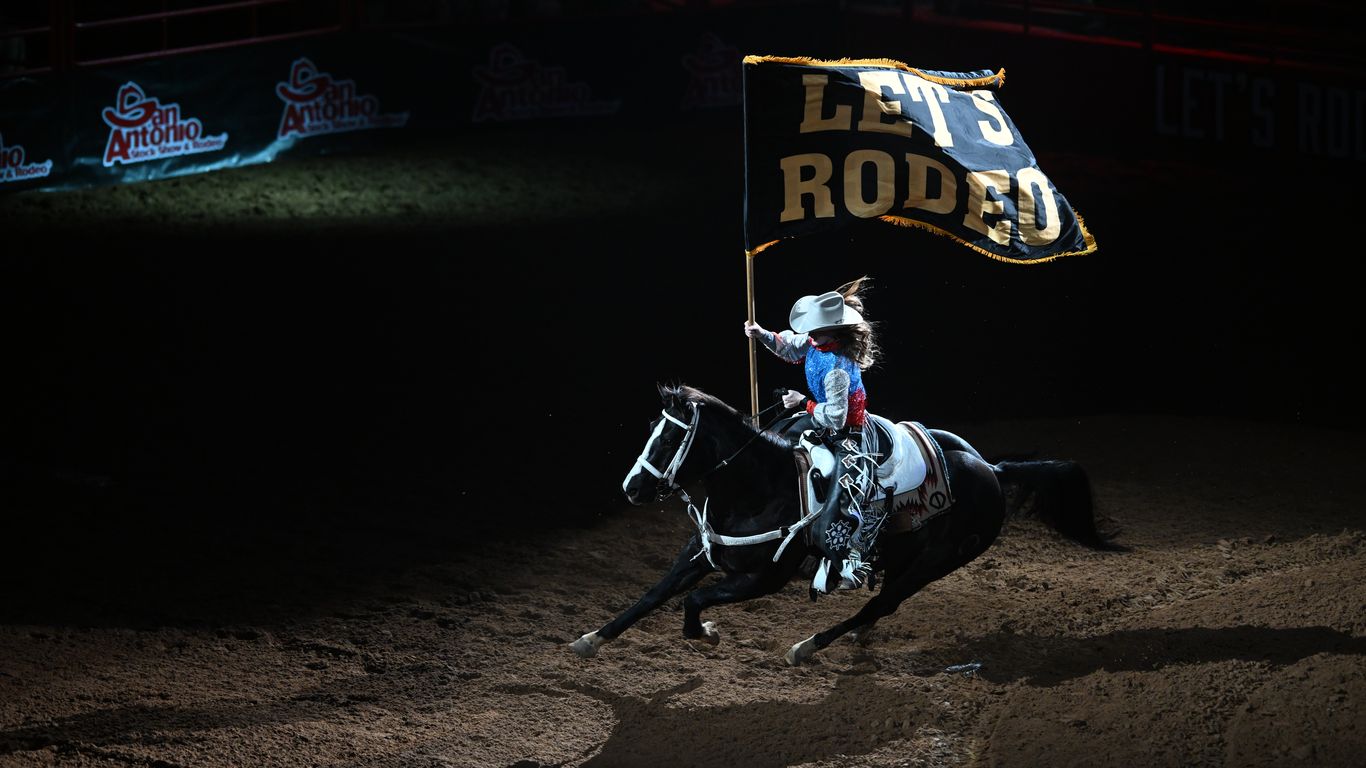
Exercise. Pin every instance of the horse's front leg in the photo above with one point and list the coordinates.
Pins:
(686, 572)
(734, 588)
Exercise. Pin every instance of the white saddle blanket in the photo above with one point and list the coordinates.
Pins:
(903, 470)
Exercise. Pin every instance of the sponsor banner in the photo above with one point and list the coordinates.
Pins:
(512, 86)
(15, 166)
(200, 112)
(827, 143)
(713, 68)
(141, 128)
(1202, 108)
(204, 112)
(316, 103)
(31, 152)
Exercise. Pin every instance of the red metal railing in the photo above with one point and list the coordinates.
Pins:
(1309, 36)
(26, 39)
(90, 33)
(92, 41)
(59, 35)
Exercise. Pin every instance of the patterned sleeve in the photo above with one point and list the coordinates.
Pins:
(788, 345)
(832, 413)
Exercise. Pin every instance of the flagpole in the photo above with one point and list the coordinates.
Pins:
(753, 372)
(749, 254)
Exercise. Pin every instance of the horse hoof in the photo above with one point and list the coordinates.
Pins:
(801, 652)
(587, 646)
(710, 634)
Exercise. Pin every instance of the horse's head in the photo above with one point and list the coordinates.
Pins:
(655, 475)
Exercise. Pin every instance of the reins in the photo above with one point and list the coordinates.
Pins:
(699, 517)
(726, 461)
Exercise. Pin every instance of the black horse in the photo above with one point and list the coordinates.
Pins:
(751, 484)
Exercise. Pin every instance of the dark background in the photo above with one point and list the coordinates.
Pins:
(172, 393)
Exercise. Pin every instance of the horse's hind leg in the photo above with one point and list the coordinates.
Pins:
(686, 572)
(883, 604)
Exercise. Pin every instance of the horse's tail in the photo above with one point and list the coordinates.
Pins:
(1061, 492)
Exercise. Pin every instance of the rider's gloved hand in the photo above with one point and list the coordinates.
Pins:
(793, 398)
(754, 330)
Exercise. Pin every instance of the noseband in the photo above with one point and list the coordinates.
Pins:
(666, 485)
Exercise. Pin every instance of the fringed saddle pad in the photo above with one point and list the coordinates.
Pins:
(913, 508)
(916, 464)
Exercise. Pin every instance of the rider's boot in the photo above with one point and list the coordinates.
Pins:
(857, 566)
(839, 536)
(844, 566)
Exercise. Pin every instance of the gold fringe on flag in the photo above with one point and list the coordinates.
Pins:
(998, 79)
(1085, 236)
(904, 222)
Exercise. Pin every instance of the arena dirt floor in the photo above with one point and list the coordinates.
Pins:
(1232, 633)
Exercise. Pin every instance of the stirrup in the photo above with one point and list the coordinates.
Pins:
(821, 578)
(826, 580)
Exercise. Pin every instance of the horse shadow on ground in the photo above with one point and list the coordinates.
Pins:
(859, 716)
(113, 732)
(856, 717)
(1046, 661)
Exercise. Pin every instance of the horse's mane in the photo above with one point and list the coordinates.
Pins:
(684, 393)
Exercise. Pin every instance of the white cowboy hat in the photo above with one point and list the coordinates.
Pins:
(828, 310)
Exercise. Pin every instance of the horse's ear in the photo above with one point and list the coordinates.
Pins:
(672, 395)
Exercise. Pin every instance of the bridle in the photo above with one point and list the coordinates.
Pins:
(666, 485)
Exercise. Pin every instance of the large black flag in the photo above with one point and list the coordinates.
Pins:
(827, 142)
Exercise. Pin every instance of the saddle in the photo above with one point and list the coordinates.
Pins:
(925, 492)
(911, 480)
